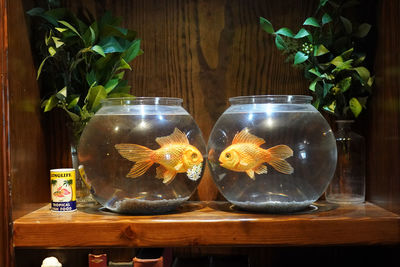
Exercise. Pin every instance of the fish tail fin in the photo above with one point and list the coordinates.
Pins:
(134, 152)
(280, 151)
(277, 156)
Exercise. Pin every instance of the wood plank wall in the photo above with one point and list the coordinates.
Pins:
(383, 184)
(207, 51)
(5, 201)
(29, 170)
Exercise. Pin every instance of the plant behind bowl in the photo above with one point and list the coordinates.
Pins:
(82, 63)
(327, 47)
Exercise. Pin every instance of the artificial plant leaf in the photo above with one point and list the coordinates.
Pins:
(69, 26)
(266, 25)
(35, 11)
(119, 75)
(99, 50)
(39, 12)
(122, 87)
(336, 61)
(52, 51)
(94, 97)
(91, 78)
(326, 18)
(300, 57)
(110, 85)
(355, 106)
(61, 29)
(41, 67)
(320, 50)
(363, 73)
(280, 43)
(62, 94)
(48, 37)
(362, 30)
(344, 65)
(73, 102)
(344, 84)
(302, 33)
(111, 45)
(111, 30)
(57, 42)
(316, 103)
(348, 27)
(72, 115)
(285, 32)
(322, 3)
(89, 37)
(346, 54)
(50, 103)
(313, 84)
(311, 21)
(132, 51)
(370, 81)
(359, 60)
(331, 107)
(315, 72)
(327, 88)
(124, 65)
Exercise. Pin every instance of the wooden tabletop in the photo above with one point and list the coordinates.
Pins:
(208, 224)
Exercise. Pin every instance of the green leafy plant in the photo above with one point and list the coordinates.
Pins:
(327, 47)
(82, 63)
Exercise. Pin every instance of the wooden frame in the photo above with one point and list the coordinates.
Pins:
(248, 63)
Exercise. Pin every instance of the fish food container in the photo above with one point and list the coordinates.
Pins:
(142, 155)
(272, 153)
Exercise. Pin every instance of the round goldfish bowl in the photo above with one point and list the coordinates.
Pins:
(142, 155)
(272, 153)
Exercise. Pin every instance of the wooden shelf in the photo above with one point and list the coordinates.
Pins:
(211, 224)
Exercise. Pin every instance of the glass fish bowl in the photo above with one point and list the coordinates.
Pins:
(143, 155)
(272, 153)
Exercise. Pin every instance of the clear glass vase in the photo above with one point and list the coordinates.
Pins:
(83, 194)
(348, 184)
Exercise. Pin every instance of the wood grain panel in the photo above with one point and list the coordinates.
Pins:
(6, 251)
(207, 51)
(383, 184)
(208, 224)
(29, 170)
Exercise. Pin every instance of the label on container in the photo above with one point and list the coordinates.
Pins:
(63, 189)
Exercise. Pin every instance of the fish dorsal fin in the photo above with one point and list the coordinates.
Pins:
(245, 137)
(176, 137)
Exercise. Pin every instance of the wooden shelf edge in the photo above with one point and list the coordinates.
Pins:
(208, 224)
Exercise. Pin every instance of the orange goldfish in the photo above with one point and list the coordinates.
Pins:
(61, 192)
(246, 155)
(175, 155)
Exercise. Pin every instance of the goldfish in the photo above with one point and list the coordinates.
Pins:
(246, 155)
(61, 192)
(175, 155)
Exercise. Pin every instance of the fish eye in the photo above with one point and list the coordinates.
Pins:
(227, 155)
(194, 156)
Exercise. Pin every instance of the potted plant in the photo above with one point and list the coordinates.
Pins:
(328, 49)
(83, 61)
